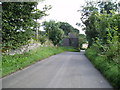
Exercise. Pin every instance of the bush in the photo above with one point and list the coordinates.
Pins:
(108, 68)
(42, 39)
(91, 53)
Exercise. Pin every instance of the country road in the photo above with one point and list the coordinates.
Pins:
(65, 70)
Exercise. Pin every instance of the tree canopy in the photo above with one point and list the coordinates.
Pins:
(54, 33)
(92, 17)
(19, 22)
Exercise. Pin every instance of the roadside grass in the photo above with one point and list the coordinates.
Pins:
(108, 68)
(12, 63)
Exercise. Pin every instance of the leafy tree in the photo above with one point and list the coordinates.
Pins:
(96, 26)
(54, 33)
(107, 6)
(76, 32)
(87, 10)
(88, 18)
(66, 27)
(91, 30)
(18, 22)
(103, 31)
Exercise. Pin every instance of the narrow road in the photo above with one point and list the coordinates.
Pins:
(65, 70)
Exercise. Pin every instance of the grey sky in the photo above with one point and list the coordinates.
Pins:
(64, 10)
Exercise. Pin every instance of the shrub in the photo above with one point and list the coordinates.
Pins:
(109, 68)
(42, 39)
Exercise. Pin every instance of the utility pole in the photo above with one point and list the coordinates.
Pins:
(119, 7)
(36, 26)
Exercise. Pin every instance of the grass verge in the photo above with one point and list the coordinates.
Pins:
(108, 68)
(16, 62)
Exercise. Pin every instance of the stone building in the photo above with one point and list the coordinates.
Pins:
(71, 40)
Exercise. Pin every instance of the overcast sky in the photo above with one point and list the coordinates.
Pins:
(64, 10)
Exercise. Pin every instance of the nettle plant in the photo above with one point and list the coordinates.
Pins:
(113, 50)
(108, 40)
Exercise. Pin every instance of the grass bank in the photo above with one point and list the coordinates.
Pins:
(108, 68)
(16, 62)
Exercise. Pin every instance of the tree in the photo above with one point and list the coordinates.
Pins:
(90, 19)
(87, 10)
(107, 6)
(67, 28)
(18, 22)
(54, 33)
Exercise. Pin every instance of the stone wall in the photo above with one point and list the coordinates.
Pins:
(23, 49)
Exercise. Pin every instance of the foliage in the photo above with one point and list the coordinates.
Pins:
(109, 68)
(60, 30)
(96, 22)
(111, 49)
(103, 34)
(87, 9)
(107, 6)
(82, 40)
(107, 45)
(108, 39)
(54, 33)
(16, 62)
(18, 22)
(42, 39)
(91, 30)
(67, 28)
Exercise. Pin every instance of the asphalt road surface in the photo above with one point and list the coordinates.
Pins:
(65, 70)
